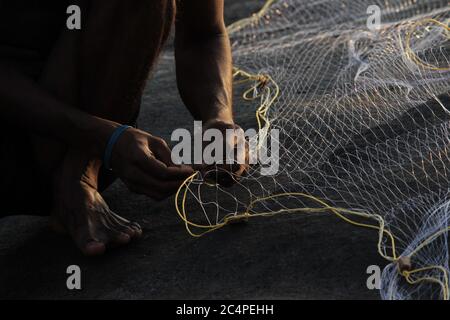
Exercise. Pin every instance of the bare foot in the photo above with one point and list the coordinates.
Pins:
(81, 211)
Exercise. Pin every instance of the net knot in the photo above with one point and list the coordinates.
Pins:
(263, 80)
(237, 219)
(404, 265)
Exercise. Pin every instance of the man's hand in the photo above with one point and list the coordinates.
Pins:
(143, 162)
(236, 163)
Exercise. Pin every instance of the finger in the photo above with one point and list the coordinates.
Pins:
(238, 152)
(161, 151)
(160, 170)
(241, 172)
(155, 188)
(152, 179)
(243, 154)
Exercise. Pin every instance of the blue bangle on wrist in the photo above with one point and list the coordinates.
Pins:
(111, 143)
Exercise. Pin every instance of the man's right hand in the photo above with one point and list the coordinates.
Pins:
(143, 162)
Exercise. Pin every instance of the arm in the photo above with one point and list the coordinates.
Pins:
(203, 60)
(204, 75)
(27, 107)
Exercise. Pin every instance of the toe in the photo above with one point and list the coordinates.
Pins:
(88, 242)
(121, 238)
(131, 232)
(133, 229)
(93, 248)
(137, 229)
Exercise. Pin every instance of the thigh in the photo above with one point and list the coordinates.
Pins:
(120, 43)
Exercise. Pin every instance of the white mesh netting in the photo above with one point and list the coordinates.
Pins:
(364, 129)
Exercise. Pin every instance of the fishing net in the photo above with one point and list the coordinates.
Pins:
(363, 124)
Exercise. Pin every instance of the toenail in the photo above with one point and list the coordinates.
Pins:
(123, 237)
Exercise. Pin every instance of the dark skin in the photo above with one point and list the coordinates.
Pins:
(70, 116)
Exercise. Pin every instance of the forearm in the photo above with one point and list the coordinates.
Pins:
(24, 105)
(204, 76)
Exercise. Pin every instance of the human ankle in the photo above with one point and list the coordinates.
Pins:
(79, 168)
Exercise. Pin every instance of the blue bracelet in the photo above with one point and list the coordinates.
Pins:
(111, 143)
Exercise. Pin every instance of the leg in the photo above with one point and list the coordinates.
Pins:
(102, 70)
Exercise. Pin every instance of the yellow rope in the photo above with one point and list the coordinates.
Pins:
(254, 18)
(409, 277)
(410, 53)
(272, 91)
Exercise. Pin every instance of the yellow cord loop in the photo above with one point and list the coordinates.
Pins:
(411, 55)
